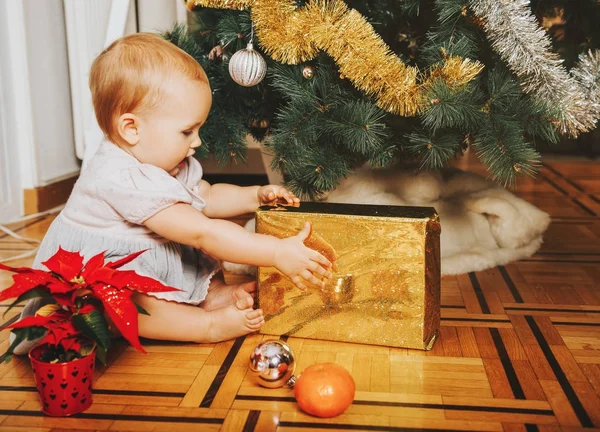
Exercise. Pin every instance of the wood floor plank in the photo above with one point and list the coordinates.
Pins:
(497, 378)
(512, 344)
(30, 429)
(568, 364)
(502, 417)
(361, 370)
(589, 399)
(528, 381)
(485, 343)
(226, 394)
(559, 403)
(268, 421)
(197, 390)
(592, 373)
(468, 343)
(380, 373)
(235, 420)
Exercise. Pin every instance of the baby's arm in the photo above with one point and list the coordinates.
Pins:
(226, 200)
(228, 241)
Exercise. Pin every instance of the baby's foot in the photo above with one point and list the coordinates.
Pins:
(221, 295)
(235, 320)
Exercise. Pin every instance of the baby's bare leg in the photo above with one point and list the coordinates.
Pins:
(186, 323)
(221, 294)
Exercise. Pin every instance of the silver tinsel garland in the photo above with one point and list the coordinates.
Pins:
(526, 48)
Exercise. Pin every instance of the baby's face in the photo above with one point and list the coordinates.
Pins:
(169, 133)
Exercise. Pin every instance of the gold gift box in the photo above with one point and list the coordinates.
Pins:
(386, 284)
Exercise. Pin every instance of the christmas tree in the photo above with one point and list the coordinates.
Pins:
(392, 82)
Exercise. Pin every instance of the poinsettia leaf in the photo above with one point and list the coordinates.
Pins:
(86, 348)
(22, 334)
(71, 354)
(141, 309)
(64, 300)
(24, 282)
(65, 263)
(30, 321)
(125, 260)
(48, 310)
(101, 274)
(93, 325)
(36, 292)
(14, 269)
(57, 286)
(122, 312)
(87, 308)
(132, 280)
(101, 354)
(28, 278)
(58, 333)
(71, 344)
(93, 263)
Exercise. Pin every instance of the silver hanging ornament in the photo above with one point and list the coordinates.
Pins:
(273, 363)
(247, 67)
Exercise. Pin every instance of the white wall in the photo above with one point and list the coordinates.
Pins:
(50, 90)
(39, 121)
(17, 163)
(10, 199)
(37, 141)
(160, 15)
(93, 25)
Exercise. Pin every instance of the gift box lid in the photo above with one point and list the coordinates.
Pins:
(357, 210)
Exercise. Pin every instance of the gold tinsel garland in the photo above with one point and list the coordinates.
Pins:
(293, 35)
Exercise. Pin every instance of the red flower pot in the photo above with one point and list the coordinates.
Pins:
(64, 388)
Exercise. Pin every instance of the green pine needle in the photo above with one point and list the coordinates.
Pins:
(449, 108)
(434, 152)
(358, 126)
(506, 156)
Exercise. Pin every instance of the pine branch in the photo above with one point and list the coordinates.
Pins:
(234, 30)
(434, 152)
(358, 126)
(506, 155)
(179, 36)
(460, 43)
(290, 83)
(321, 128)
(410, 7)
(450, 108)
(450, 12)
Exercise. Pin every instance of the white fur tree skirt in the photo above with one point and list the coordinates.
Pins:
(483, 224)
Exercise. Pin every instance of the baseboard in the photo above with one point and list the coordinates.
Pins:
(46, 197)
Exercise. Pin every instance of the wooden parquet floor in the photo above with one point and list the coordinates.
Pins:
(519, 350)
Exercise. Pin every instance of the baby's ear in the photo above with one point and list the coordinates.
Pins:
(127, 127)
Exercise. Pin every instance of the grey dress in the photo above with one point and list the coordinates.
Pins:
(112, 198)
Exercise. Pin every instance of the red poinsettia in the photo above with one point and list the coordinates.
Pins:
(83, 294)
(59, 329)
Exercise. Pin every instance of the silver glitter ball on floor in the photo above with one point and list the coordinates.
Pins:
(273, 363)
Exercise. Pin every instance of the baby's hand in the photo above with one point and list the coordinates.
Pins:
(273, 194)
(300, 263)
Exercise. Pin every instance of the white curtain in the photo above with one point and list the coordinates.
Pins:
(92, 25)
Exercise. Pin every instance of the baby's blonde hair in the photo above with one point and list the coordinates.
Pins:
(127, 76)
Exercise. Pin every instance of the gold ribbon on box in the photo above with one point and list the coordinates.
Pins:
(292, 35)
